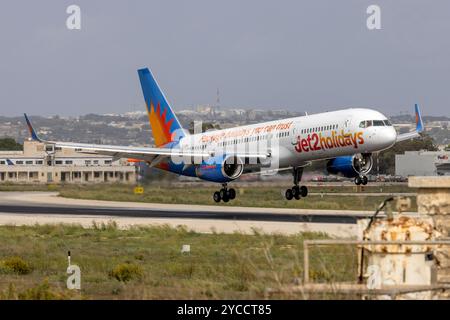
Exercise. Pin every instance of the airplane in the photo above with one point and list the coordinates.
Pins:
(345, 138)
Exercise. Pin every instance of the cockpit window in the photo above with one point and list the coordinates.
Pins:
(387, 123)
(378, 123)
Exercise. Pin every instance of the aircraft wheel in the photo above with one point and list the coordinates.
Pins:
(303, 191)
(231, 193)
(364, 180)
(216, 196)
(226, 198)
(289, 194)
(295, 191)
(358, 181)
(223, 193)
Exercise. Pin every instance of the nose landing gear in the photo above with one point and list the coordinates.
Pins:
(296, 191)
(362, 165)
(224, 194)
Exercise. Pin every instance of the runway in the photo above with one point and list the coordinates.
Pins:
(47, 207)
(187, 214)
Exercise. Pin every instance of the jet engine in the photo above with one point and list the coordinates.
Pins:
(351, 166)
(221, 168)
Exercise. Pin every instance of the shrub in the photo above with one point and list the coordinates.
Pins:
(111, 225)
(52, 187)
(15, 265)
(42, 292)
(126, 271)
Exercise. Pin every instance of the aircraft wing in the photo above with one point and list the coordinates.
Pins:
(419, 128)
(155, 155)
(140, 153)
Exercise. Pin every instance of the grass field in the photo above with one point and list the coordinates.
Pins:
(246, 196)
(147, 263)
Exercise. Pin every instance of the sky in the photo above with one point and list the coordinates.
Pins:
(298, 55)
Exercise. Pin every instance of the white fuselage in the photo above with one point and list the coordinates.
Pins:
(296, 141)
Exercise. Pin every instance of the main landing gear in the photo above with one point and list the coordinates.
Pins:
(361, 180)
(297, 191)
(224, 194)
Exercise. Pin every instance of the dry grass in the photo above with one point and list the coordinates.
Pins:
(246, 196)
(220, 266)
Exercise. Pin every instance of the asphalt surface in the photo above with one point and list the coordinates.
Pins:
(187, 214)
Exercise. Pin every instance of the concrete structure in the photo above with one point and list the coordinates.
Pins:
(422, 163)
(391, 265)
(40, 163)
(433, 199)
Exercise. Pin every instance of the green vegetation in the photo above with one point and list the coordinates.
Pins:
(126, 271)
(28, 187)
(147, 263)
(268, 197)
(15, 265)
(9, 144)
(320, 197)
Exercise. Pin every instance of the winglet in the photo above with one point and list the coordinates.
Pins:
(419, 122)
(33, 134)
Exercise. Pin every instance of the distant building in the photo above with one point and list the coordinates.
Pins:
(422, 163)
(40, 163)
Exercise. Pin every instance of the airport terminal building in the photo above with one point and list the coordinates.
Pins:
(423, 163)
(40, 163)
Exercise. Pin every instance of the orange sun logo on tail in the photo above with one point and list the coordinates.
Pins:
(163, 121)
(160, 125)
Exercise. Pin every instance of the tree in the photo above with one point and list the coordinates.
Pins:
(9, 144)
(386, 159)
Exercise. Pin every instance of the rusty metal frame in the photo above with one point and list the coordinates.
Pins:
(307, 243)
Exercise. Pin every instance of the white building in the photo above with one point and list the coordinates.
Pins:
(40, 163)
(422, 163)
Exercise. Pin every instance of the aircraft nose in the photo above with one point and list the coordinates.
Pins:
(391, 135)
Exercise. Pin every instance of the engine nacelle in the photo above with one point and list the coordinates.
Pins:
(221, 168)
(351, 166)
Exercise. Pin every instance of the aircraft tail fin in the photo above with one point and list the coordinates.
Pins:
(419, 127)
(419, 122)
(163, 121)
(33, 133)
